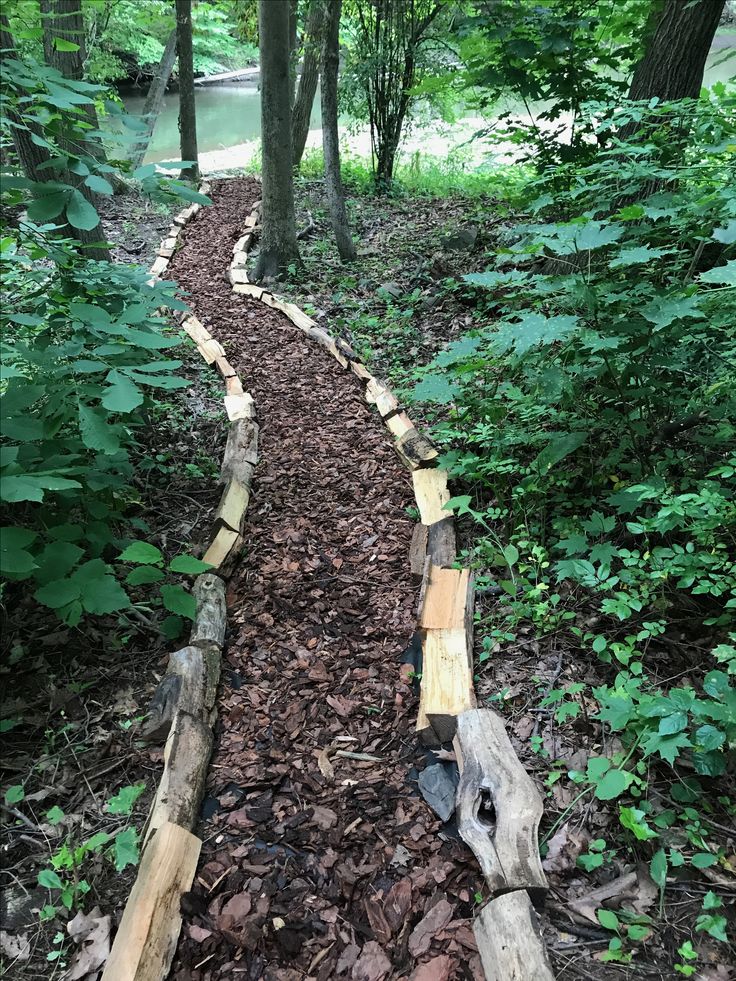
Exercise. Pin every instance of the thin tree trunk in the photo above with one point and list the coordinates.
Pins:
(155, 97)
(187, 111)
(330, 133)
(63, 19)
(307, 81)
(674, 63)
(278, 244)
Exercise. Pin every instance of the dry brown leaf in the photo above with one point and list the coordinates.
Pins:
(92, 931)
(15, 946)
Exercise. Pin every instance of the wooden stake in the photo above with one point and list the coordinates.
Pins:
(489, 767)
(430, 492)
(510, 941)
(149, 930)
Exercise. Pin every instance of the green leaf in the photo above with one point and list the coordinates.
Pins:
(55, 815)
(557, 449)
(673, 723)
(14, 559)
(178, 600)
(126, 849)
(533, 330)
(80, 213)
(144, 574)
(104, 595)
(638, 254)
(703, 860)
(123, 395)
(61, 44)
(721, 275)
(435, 389)
(511, 554)
(58, 593)
(664, 310)
(607, 919)
(142, 553)
(634, 820)
(709, 738)
(14, 794)
(99, 185)
(613, 784)
(188, 565)
(95, 432)
(637, 931)
(48, 879)
(658, 868)
(123, 801)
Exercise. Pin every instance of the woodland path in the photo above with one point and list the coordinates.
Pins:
(315, 865)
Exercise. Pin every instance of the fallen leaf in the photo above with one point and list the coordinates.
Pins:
(397, 903)
(16, 946)
(424, 932)
(401, 856)
(622, 887)
(92, 931)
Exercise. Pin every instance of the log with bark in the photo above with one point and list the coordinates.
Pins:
(510, 941)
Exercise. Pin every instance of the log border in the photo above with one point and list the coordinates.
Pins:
(451, 675)
(182, 711)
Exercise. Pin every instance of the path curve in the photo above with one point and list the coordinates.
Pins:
(313, 864)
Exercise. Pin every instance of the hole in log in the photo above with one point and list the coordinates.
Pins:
(486, 810)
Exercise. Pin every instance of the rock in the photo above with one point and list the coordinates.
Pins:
(461, 240)
(437, 785)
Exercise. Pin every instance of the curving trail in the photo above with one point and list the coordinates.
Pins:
(315, 865)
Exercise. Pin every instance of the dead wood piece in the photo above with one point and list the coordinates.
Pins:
(431, 494)
(225, 368)
(241, 452)
(446, 599)
(418, 550)
(223, 551)
(174, 232)
(424, 730)
(211, 617)
(186, 215)
(361, 371)
(233, 386)
(441, 546)
(238, 275)
(297, 316)
(240, 259)
(509, 857)
(345, 349)
(242, 245)
(510, 941)
(170, 242)
(165, 253)
(447, 679)
(186, 759)
(399, 424)
(149, 930)
(211, 350)
(416, 450)
(383, 398)
(233, 505)
(249, 289)
(240, 407)
(323, 338)
(197, 331)
(159, 266)
(251, 221)
(181, 689)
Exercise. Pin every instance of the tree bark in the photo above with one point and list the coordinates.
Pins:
(155, 97)
(330, 133)
(307, 80)
(674, 63)
(278, 243)
(187, 111)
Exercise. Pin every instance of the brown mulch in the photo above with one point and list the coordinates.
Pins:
(314, 864)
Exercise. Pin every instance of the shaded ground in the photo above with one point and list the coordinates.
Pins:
(315, 864)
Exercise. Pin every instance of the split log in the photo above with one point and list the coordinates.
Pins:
(225, 368)
(510, 940)
(238, 274)
(180, 690)
(211, 617)
(297, 316)
(174, 232)
(416, 450)
(234, 386)
(441, 546)
(242, 245)
(240, 407)
(418, 550)
(240, 259)
(489, 766)
(424, 730)
(241, 452)
(361, 371)
(399, 424)
(448, 599)
(233, 506)
(159, 266)
(196, 330)
(249, 289)
(223, 550)
(323, 338)
(165, 253)
(383, 398)
(149, 930)
(431, 494)
(447, 680)
(345, 349)
(211, 350)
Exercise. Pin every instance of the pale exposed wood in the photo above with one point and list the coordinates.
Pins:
(418, 549)
(323, 338)
(211, 617)
(249, 289)
(211, 350)
(399, 424)
(165, 253)
(240, 259)
(489, 767)
(447, 679)
(430, 493)
(296, 315)
(234, 386)
(223, 549)
(377, 394)
(197, 331)
(424, 730)
(242, 246)
(149, 930)
(174, 232)
(510, 941)
(445, 599)
(180, 690)
(233, 505)
(345, 349)
(251, 221)
(360, 370)
(416, 449)
(239, 407)
(441, 546)
(241, 452)
(159, 266)
(238, 275)
(186, 215)
(225, 368)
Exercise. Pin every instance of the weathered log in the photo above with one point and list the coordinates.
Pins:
(418, 550)
(296, 315)
(509, 857)
(159, 266)
(323, 338)
(238, 274)
(234, 386)
(146, 940)
(198, 333)
(211, 350)
(361, 371)
(240, 407)
(181, 689)
(383, 398)
(431, 494)
(186, 759)
(441, 546)
(447, 679)
(225, 368)
(211, 617)
(233, 505)
(510, 940)
(241, 452)
(416, 450)
(249, 289)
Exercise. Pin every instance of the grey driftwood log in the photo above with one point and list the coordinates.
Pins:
(510, 941)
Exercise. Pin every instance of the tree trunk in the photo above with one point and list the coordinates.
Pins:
(330, 134)
(187, 112)
(63, 19)
(278, 244)
(307, 81)
(155, 97)
(673, 65)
